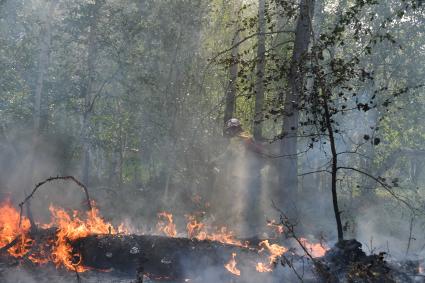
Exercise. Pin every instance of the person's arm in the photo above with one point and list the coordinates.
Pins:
(252, 145)
(258, 148)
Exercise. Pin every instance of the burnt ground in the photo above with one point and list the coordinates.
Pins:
(345, 262)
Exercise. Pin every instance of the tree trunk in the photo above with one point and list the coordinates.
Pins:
(259, 83)
(288, 179)
(43, 63)
(334, 171)
(233, 75)
(165, 257)
(88, 91)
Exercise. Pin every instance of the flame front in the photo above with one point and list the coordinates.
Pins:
(10, 230)
(72, 226)
(231, 266)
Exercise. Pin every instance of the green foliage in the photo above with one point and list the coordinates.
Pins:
(161, 72)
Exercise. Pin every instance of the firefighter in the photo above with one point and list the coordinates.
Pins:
(234, 130)
(242, 162)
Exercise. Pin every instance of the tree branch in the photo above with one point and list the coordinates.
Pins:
(245, 39)
(382, 183)
(71, 178)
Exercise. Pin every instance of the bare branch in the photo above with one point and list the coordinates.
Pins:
(314, 172)
(382, 183)
(245, 39)
(50, 179)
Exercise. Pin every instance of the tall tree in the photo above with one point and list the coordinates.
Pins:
(230, 98)
(288, 177)
(43, 63)
(88, 89)
(260, 72)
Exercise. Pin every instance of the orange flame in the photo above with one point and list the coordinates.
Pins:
(10, 230)
(231, 265)
(71, 228)
(223, 235)
(194, 228)
(315, 249)
(198, 230)
(275, 251)
(278, 228)
(263, 267)
(168, 227)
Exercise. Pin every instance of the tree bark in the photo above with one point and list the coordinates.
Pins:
(334, 171)
(230, 98)
(88, 91)
(43, 64)
(261, 59)
(288, 179)
(162, 257)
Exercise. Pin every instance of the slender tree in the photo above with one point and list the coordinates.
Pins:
(260, 72)
(230, 98)
(88, 90)
(288, 177)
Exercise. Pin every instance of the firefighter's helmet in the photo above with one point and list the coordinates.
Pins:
(233, 125)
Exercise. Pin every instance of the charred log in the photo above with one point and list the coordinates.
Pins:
(164, 257)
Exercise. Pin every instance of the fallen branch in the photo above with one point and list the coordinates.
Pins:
(50, 179)
(11, 244)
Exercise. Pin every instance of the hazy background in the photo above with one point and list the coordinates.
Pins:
(122, 95)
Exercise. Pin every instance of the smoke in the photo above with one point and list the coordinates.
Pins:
(155, 129)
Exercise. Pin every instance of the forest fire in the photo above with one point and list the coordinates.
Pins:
(196, 123)
(69, 227)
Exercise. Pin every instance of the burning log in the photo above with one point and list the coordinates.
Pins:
(163, 257)
(80, 242)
